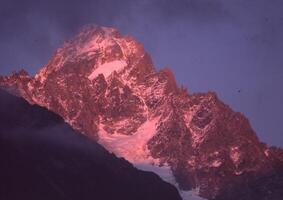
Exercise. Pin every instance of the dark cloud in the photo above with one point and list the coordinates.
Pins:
(219, 45)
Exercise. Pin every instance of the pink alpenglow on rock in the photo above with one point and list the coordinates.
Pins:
(106, 87)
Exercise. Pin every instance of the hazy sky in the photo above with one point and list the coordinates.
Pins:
(233, 47)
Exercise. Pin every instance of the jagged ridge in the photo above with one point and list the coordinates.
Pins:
(105, 86)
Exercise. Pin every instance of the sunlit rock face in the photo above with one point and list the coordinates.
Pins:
(105, 85)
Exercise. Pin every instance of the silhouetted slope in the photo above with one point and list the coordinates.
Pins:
(43, 158)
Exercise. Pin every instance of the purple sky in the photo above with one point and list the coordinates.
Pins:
(233, 47)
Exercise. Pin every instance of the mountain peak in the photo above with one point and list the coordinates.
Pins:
(105, 86)
(101, 50)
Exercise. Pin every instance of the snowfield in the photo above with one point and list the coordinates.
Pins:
(134, 149)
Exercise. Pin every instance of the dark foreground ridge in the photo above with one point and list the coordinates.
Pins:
(43, 158)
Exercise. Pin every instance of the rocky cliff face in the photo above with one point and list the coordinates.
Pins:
(107, 88)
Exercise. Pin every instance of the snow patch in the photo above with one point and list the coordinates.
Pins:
(166, 174)
(134, 149)
(163, 171)
(108, 68)
(191, 195)
(41, 75)
(266, 152)
(238, 172)
(216, 163)
(131, 147)
(235, 154)
(30, 87)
